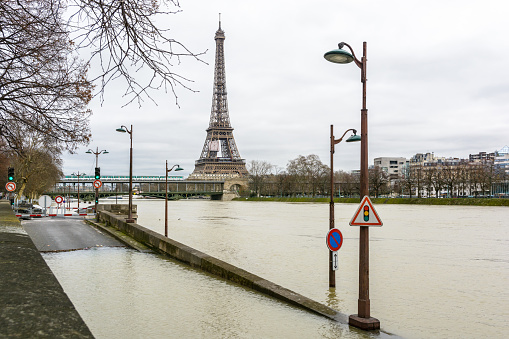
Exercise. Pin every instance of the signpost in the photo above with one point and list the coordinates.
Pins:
(10, 186)
(45, 202)
(334, 241)
(366, 215)
(98, 183)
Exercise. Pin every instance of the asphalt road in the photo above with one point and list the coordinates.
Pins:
(53, 234)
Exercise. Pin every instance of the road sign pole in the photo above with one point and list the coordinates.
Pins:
(96, 200)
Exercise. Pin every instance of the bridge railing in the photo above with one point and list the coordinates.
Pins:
(174, 187)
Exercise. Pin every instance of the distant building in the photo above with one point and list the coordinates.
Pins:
(393, 166)
(501, 159)
(482, 157)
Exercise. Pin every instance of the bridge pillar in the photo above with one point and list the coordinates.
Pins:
(233, 186)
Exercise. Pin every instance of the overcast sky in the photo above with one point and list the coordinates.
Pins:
(438, 81)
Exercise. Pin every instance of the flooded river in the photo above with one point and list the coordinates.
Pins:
(435, 272)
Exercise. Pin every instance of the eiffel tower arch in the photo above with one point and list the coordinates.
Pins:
(220, 158)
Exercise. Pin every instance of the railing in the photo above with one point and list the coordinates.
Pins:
(146, 187)
(120, 178)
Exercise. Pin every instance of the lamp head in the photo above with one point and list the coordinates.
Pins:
(106, 152)
(121, 130)
(339, 56)
(354, 137)
(179, 168)
(89, 152)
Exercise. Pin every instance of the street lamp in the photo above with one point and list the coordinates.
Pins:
(166, 200)
(354, 137)
(363, 318)
(96, 166)
(78, 175)
(124, 129)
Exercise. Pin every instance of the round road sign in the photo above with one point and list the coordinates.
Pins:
(59, 199)
(98, 183)
(45, 201)
(334, 239)
(10, 186)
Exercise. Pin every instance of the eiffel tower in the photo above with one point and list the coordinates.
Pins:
(219, 157)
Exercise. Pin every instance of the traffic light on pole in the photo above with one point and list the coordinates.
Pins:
(97, 173)
(10, 173)
(366, 213)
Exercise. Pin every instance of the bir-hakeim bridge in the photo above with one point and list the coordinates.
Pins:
(147, 186)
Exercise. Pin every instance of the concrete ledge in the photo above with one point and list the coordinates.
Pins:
(215, 266)
(33, 303)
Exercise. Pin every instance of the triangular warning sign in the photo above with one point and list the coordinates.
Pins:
(366, 215)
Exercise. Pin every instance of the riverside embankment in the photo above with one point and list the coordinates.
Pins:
(391, 201)
(33, 303)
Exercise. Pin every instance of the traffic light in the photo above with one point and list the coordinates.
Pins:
(10, 173)
(366, 213)
(97, 173)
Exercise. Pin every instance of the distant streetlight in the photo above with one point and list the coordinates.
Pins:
(354, 137)
(97, 166)
(363, 318)
(166, 200)
(124, 129)
(78, 174)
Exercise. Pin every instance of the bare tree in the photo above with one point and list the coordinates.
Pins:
(258, 173)
(43, 86)
(124, 39)
(37, 166)
(309, 171)
(378, 180)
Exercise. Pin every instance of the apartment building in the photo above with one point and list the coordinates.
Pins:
(391, 165)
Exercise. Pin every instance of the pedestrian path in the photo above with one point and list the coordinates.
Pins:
(33, 303)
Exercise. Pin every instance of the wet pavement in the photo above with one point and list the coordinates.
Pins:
(55, 234)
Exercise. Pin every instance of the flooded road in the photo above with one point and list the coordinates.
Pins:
(435, 271)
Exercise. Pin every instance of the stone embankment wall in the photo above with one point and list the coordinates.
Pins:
(213, 265)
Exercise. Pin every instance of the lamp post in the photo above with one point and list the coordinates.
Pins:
(354, 137)
(124, 129)
(79, 175)
(363, 318)
(166, 200)
(96, 166)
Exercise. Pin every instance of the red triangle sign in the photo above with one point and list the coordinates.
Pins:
(366, 215)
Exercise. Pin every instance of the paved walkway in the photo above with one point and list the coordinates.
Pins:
(32, 301)
(66, 234)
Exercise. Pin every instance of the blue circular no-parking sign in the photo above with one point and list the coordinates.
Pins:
(334, 239)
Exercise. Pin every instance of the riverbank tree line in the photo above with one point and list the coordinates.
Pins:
(307, 176)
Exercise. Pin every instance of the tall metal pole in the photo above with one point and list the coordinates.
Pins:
(96, 190)
(363, 302)
(130, 216)
(78, 192)
(363, 317)
(332, 273)
(78, 175)
(166, 202)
